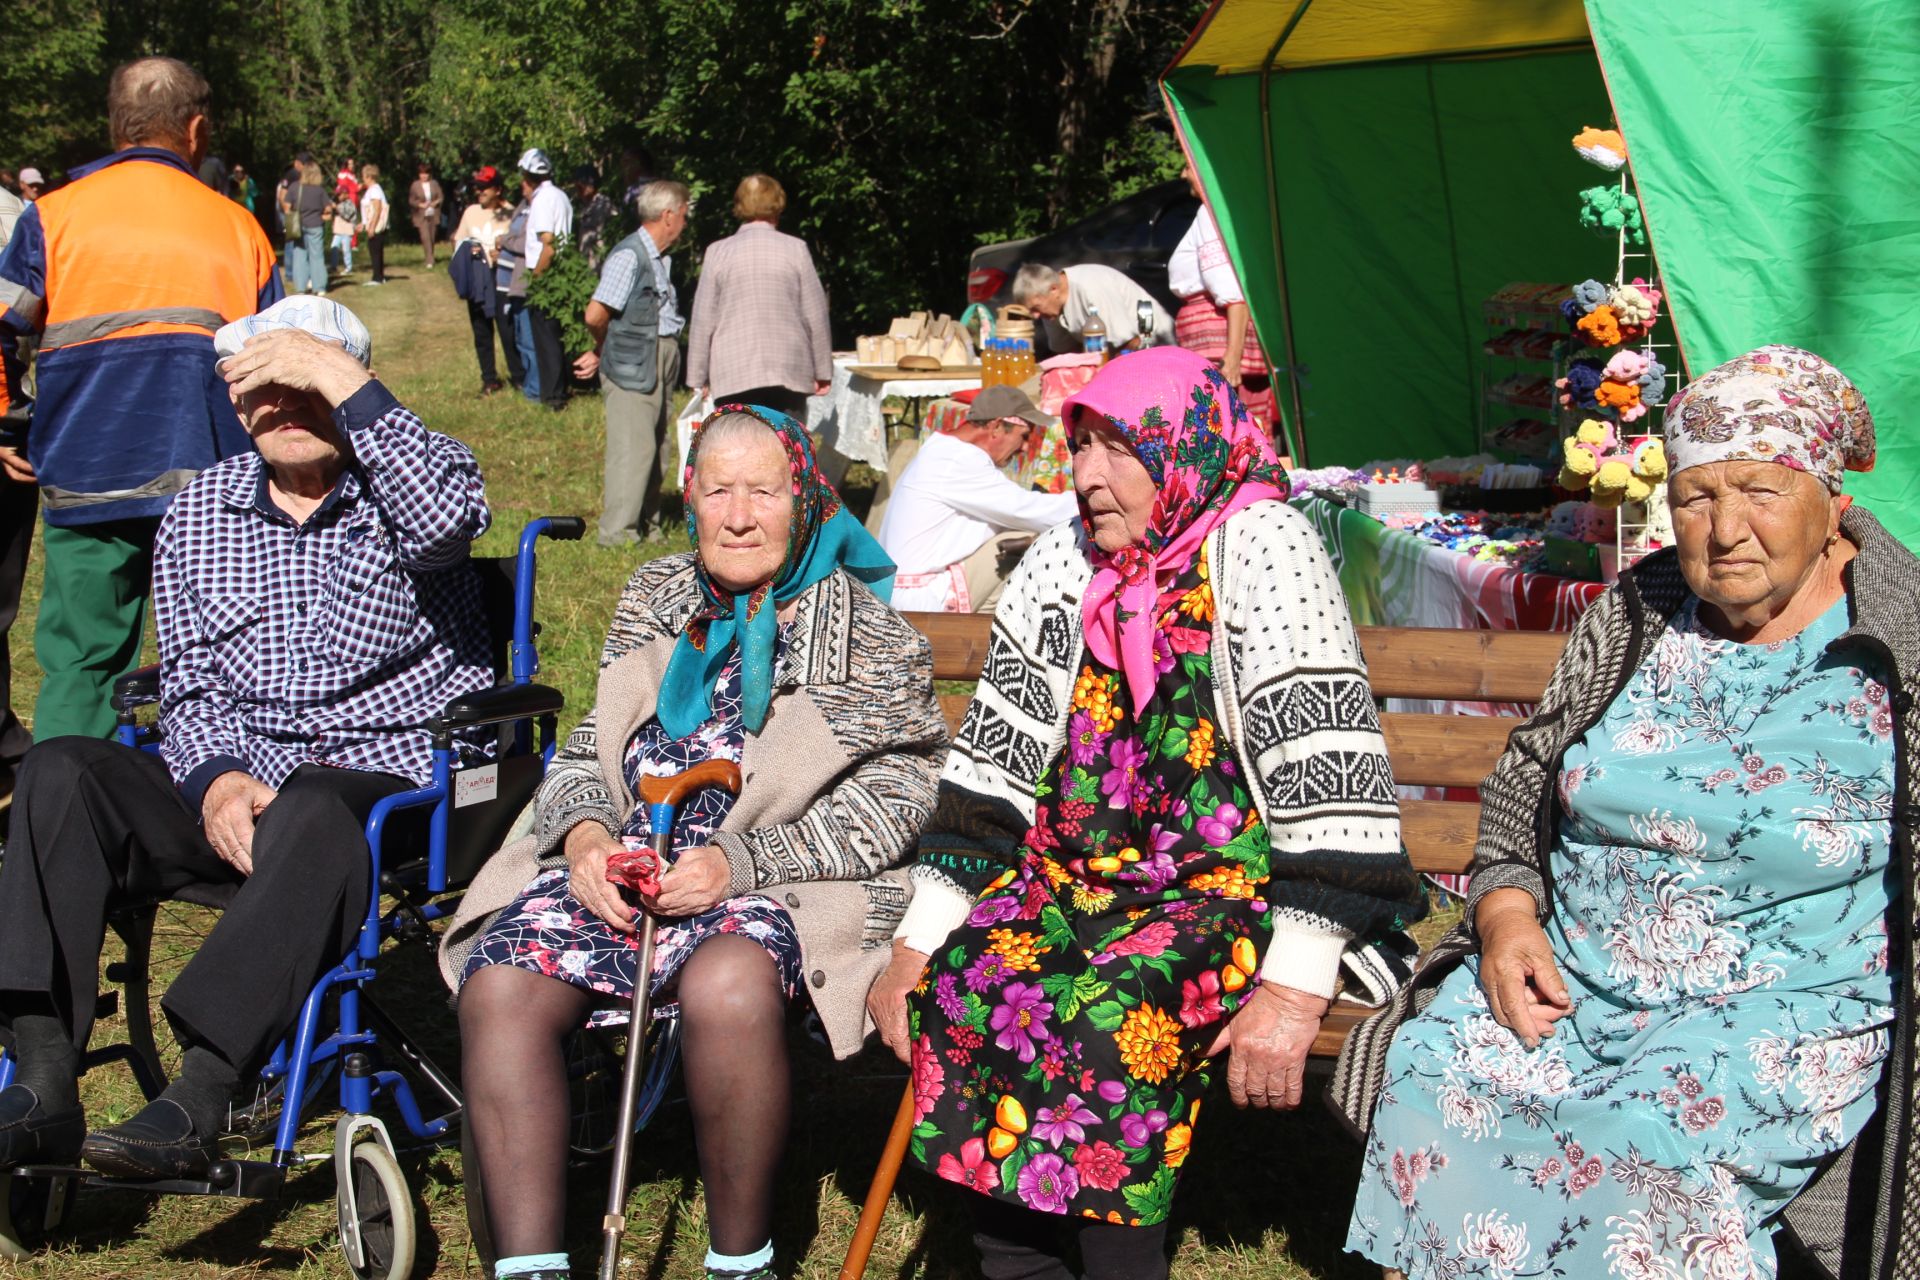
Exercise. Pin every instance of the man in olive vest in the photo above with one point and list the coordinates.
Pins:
(635, 321)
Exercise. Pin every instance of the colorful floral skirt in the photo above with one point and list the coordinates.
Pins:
(547, 930)
(1060, 1038)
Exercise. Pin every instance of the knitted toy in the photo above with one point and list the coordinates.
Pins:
(1636, 304)
(1629, 475)
(1608, 209)
(1600, 327)
(1583, 452)
(1604, 147)
(1595, 524)
(1582, 380)
(1653, 383)
(1620, 387)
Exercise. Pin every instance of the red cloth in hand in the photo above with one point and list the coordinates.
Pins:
(636, 869)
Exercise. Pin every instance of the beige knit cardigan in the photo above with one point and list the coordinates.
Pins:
(835, 787)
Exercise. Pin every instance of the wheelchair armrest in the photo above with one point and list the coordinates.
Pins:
(498, 705)
(136, 688)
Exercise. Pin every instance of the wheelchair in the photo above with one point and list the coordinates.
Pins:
(342, 1037)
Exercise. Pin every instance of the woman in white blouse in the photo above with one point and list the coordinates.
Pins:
(1213, 320)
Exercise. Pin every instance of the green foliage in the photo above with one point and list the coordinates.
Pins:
(563, 291)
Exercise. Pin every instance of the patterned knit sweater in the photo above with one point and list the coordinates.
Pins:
(1291, 694)
(1866, 1204)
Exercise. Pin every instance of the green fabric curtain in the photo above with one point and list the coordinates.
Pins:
(1778, 162)
(1407, 193)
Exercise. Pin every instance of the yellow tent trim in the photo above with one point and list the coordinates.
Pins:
(1238, 35)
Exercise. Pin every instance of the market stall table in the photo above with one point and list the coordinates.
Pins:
(849, 418)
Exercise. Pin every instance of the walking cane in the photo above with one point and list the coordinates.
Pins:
(640, 869)
(880, 1190)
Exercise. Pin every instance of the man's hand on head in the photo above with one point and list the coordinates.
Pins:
(295, 359)
(231, 806)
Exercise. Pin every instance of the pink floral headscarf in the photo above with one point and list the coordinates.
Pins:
(1773, 404)
(1208, 460)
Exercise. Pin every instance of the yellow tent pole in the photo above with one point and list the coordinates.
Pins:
(1299, 433)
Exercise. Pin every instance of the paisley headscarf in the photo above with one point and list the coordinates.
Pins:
(821, 538)
(1208, 460)
(1773, 404)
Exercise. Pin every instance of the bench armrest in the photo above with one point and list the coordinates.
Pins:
(501, 704)
(136, 688)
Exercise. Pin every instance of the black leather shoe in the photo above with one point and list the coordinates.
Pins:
(157, 1143)
(31, 1134)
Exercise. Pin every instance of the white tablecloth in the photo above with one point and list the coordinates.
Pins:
(848, 417)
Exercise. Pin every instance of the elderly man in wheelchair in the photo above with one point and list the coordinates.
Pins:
(316, 610)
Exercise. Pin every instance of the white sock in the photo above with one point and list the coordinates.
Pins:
(761, 1257)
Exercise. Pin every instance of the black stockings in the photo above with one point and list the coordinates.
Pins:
(734, 1047)
(513, 1033)
(513, 1030)
(1019, 1244)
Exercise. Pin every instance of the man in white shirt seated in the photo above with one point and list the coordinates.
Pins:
(1065, 299)
(955, 517)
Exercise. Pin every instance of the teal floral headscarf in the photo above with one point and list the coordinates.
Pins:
(821, 538)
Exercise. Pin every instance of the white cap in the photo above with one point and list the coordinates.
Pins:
(32, 175)
(322, 317)
(534, 160)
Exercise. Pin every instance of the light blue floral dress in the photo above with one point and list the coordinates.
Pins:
(1720, 885)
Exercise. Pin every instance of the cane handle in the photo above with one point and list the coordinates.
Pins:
(672, 790)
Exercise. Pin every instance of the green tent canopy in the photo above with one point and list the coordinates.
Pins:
(1378, 170)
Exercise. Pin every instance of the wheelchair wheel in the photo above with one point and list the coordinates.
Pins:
(381, 1207)
(30, 1210)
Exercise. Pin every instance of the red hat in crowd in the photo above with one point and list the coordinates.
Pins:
(486, 176)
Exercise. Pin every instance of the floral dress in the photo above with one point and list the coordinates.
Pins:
(1720, 893)
(1060, 1039)
(548, 930)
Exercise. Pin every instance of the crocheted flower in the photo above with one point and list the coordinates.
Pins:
(1653, 383)
(1589, 294)
(1621, 396)
(1600, 327)
(1632, 305)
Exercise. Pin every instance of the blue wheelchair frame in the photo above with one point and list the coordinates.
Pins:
(360, 1029)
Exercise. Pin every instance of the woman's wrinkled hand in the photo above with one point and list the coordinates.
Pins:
(1523, 984)
(588, 847)
(1270, 1037)
(887, 998)
(697, 881)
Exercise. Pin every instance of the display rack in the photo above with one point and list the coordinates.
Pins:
(1644, 527)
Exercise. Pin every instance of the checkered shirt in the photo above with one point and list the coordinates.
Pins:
(616, 283)
(330, 642)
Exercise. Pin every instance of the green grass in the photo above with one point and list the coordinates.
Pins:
(1263, 1195)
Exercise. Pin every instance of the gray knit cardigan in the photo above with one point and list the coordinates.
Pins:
(836, 785)
(1860, 1216)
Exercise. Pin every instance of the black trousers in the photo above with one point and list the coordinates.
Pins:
(377, 251)
(509, 341)
(482, 325)
(779, 399)
(1020, 1244)
(97, 825)
(19, 505)
(549, 357)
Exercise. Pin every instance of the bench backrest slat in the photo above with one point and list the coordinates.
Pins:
(1427, 750)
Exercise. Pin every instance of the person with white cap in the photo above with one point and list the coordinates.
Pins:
(549, 221)
(31, 183)
(316, 607)
(956, 521)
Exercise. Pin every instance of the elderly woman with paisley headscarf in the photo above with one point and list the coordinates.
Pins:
(1166, 819)
(771, 645)
(1690, 923)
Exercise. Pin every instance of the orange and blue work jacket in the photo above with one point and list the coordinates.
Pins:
(125, 273)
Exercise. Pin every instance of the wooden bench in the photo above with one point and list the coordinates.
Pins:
(1426, 750)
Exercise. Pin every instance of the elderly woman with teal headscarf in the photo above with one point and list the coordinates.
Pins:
(772, 645)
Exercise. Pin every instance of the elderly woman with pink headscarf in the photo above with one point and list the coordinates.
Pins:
(1166, 820)
(1685, 982)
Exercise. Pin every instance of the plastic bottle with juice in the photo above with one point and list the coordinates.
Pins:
(1093, 334)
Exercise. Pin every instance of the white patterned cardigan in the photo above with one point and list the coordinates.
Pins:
(1291, 692)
